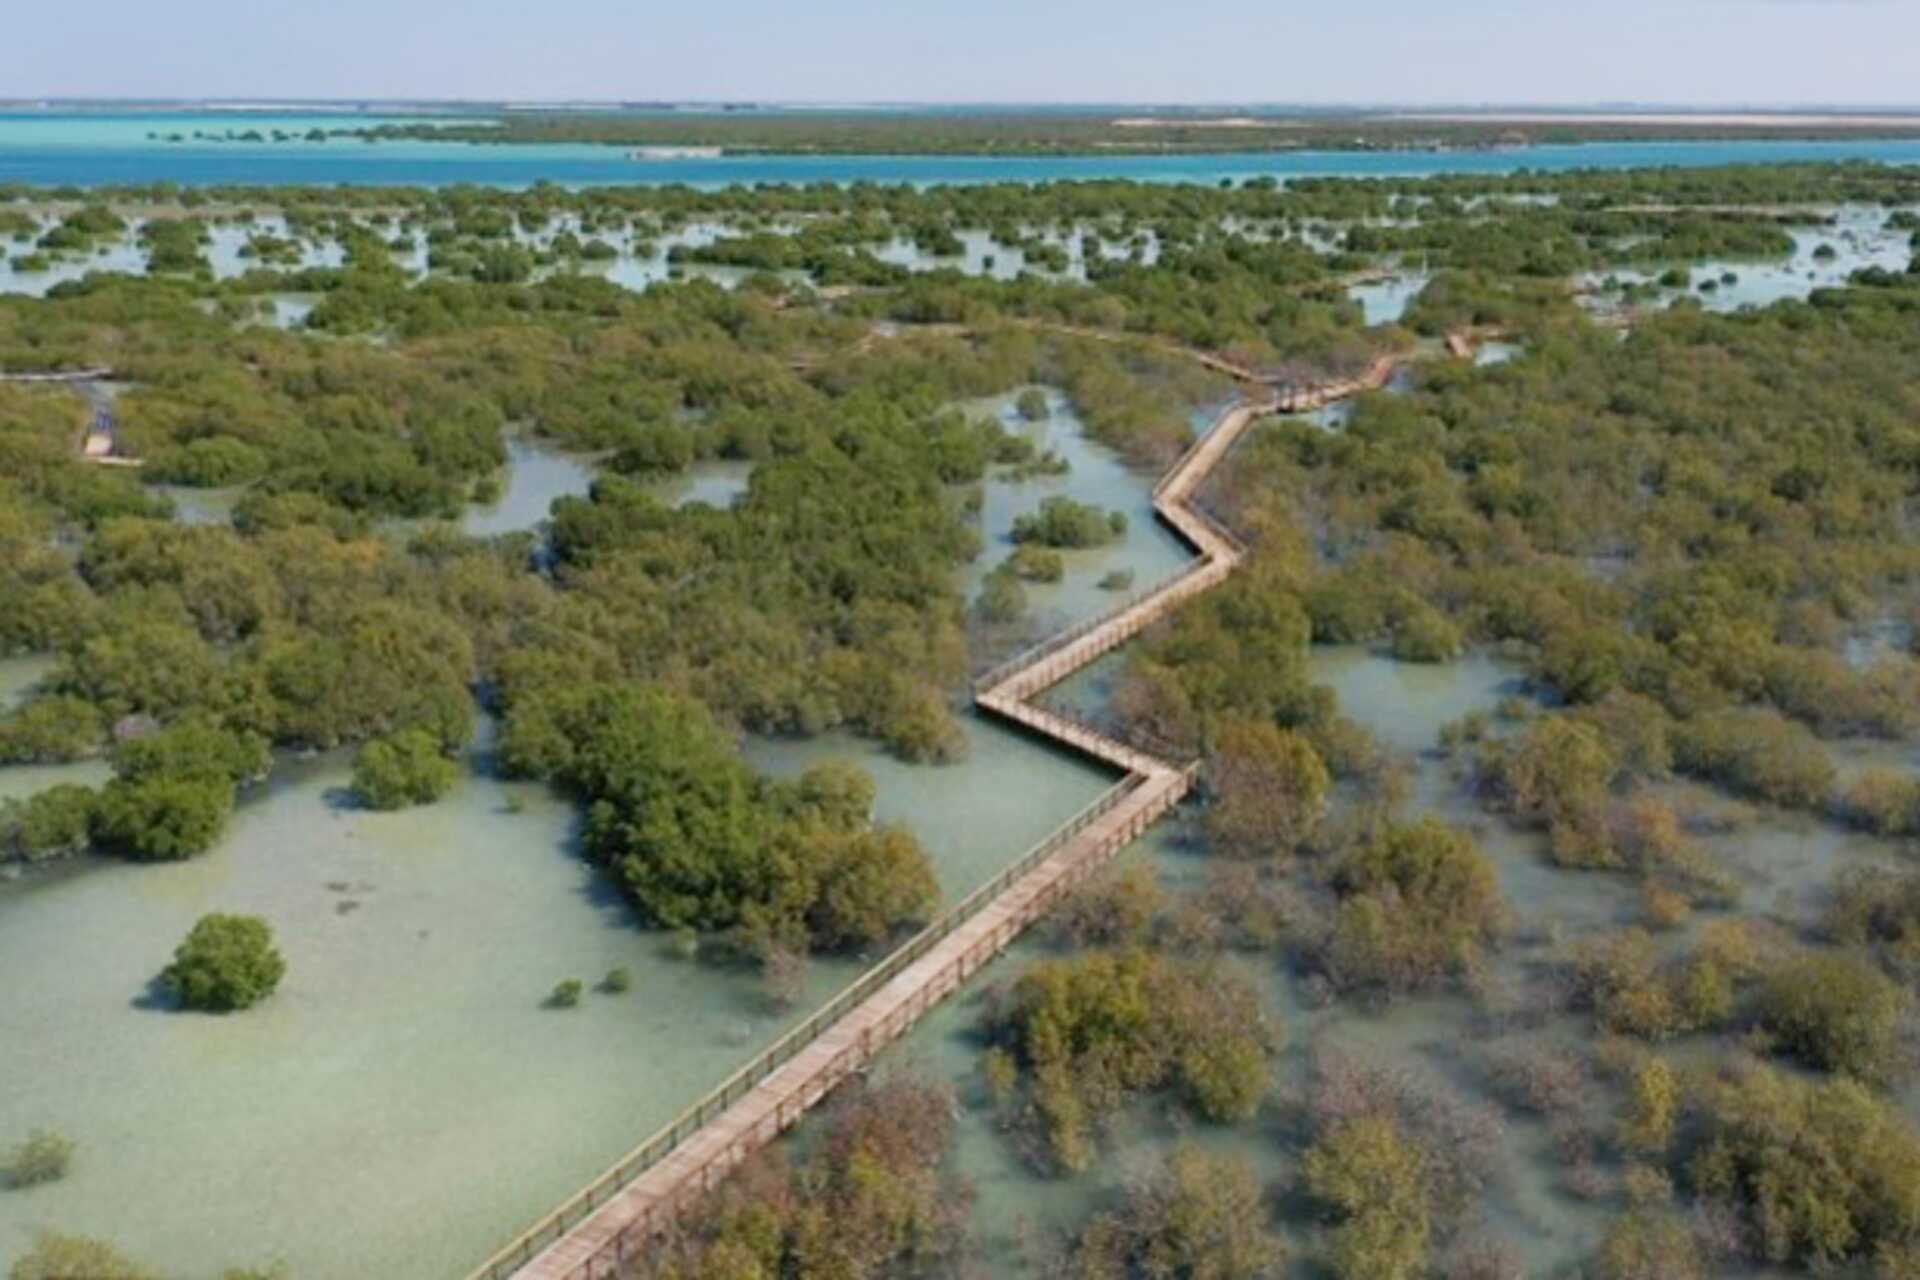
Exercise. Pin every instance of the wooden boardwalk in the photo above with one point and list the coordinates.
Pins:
(594, 1235)
(66, 375)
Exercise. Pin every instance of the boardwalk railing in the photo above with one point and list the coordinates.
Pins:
(649, 1153)
(59, 375)
(589, 1238)
(1087, 626)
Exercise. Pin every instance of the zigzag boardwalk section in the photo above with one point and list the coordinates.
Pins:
(592, 1236)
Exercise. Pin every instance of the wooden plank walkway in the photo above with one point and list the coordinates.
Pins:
(60, 375)
(593, 1236)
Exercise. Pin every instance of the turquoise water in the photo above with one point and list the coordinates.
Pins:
(96, 149)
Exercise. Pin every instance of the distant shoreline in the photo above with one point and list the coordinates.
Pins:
(1674, 119)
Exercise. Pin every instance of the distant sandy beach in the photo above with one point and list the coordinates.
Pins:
(1757, 119)
(1214, 122)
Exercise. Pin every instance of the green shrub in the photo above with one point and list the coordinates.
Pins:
(1880, 906)
(62, 1257)
(1757, 753)
(195, 746)
(1417, 904)
(1197, 1215)
(401, 769)
(227, 962)
(1837, 1012)
(1649, 1244)
(1062, 522)
(48, 824)
(1378, 1184)
(163, 819)
(1036, 564)
(617, 981)
(1032, 405)
(211, 462)
(50, 730)
(566, 993)
(1099, 1027)
(1002, 599)
(1886, 802)
(1826, 1171)
(44, 1157)
(1427, 635)
(1267, 789)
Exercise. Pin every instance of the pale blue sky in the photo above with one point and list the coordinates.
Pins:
(1700, 51)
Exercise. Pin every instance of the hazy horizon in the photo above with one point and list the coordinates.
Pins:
(693, 104)
(1696, 54)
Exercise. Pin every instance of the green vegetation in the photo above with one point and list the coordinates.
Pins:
(1418, 903)
(700, 842)
(1837, 1012)
(1268, 788)
(1673, 545)
(1199, 1215)
(1366, 1172)
(566, 993)
(1032, 563)
(227, 962)
(51, 824)
(1824, 1170)
(873, 1199)
(62, 1257)
(45, 1156)
(174, 788)
(1095, 1029)
(404, 768)
(1065, 133)
(1062, 522)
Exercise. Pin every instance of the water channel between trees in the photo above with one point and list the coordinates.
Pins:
(406, 1078)
(405, 1102)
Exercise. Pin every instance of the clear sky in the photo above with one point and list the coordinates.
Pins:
(1429, 51)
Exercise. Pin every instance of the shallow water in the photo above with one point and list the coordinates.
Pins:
(1859, 239)
(200, 506)
(19, 680)
(19, 676)
(96, 148)
(716, 482)
(1404, 706)
(1385, 301)
(1098, 476)
(976, 816)
(535, 477)
(405, 1078)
